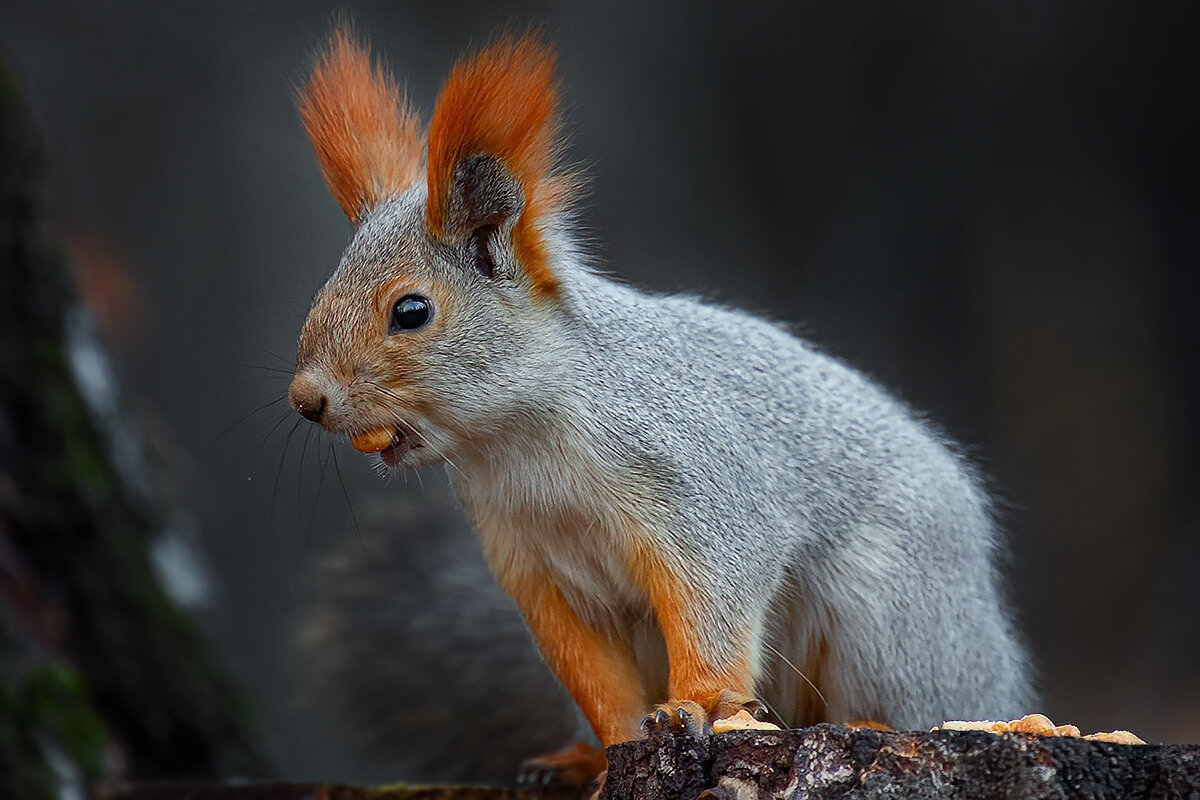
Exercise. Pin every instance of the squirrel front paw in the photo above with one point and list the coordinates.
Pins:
(696, 719)
(681, 716)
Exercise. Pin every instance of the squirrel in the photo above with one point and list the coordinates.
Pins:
(695, 511)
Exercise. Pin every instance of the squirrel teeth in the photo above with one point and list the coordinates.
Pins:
(374, 440)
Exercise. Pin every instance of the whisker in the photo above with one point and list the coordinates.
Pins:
(287, 442)
(286, 362)
(771, 710)
(312, 516)
(216, 439)
(266, 438)
(434, 448)
(381, 469)
(796, 669)
(338, 469)
(303, 454)
(259, 368)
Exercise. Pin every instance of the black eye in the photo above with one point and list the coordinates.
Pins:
(410, 313)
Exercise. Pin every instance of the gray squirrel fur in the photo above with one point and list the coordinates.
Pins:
(807, 516)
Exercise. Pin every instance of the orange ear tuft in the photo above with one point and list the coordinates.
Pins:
(501, 102)
(367, 139)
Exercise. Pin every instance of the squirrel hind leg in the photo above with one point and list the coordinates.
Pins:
(579, 764)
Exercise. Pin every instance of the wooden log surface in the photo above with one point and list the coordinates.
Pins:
(320, 791)
(824, 761)
(831, 761)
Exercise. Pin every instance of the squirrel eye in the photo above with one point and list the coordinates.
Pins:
(410, 313)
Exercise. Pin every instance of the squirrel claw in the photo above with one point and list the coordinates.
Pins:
(681, 716)
(655, 721)
(532, 773)
(756, 708)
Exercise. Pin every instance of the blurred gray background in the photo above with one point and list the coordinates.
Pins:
(991, 207)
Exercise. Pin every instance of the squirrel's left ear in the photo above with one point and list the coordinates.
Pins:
(491, 152)
(366, 137)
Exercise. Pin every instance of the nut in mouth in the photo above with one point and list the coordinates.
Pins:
(392, 444)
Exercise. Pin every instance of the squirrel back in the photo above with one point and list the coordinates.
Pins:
(691, 507)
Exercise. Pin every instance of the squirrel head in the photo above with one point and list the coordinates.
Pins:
(437, 325)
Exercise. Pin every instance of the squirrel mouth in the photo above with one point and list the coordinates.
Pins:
(392, 444)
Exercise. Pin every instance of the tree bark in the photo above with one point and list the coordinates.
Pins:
(830, 761)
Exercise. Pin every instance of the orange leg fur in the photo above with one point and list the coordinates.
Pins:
(703, 683)
(599, 672)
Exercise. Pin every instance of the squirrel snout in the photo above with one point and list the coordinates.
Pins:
(306, 397)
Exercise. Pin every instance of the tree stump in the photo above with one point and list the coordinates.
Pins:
(831, 761)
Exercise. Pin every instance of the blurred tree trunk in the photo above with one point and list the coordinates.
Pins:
(101, 675)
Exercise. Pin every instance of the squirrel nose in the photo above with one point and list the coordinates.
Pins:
(306, 397)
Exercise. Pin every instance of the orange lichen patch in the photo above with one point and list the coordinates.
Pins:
(367, 139)
(1041, 725)
(991, 726)
(695, 675)
(597, 670)
(742, 721)
(501, 102)
(374, 440)
(869, 724)
(1115, 737)
(1032, 723)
